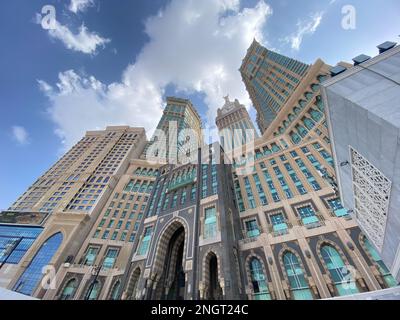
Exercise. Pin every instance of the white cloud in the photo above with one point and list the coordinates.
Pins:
(84, 41)
(304, 27)
(195, 45)
(80, 5)
(20, 135)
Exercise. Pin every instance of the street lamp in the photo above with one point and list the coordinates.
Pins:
(95, 272)
(11, 248)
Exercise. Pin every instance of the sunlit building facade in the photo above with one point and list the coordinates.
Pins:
(73, 195)
(270, 79)
(298, 241)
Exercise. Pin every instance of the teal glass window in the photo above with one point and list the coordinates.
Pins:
(69, 290)
(308, 123)
(90, 256)
(320, 104)
(183, 196)
(105, 234)
(337, 207)
(386, 275)
(210, 223)
(252, 229)
(295, 137)
(239, 197)
(144, 245)
(258, 280)
(115, 291)
(315, 87)
(174, 200)
(110, 258)
(32, 275)
(278, 222)
(315, 115)
(249, 193)
(297, 281)
(301, 130)
(327, 157)
(193, 192)
(94, 293)
(260, 190)
(307, 215)
(341, 276)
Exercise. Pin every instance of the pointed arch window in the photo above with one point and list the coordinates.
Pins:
(322, 78)
(69, 290)
(340, 274)
(94, 292)
(386, 275)
(115, 291)
(32, 275)
(315, 87)
(301, 130)
(302, 103)
(308, 123)
(308, 95)
(258, 280)
(295, 137)
(320, 104)
(315, 115)
(297, 281)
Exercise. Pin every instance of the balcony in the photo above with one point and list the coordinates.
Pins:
(280, 229)
(339, 213)
(313, 221)
(250, 236)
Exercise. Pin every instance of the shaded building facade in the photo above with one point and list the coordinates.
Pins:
(364, 122)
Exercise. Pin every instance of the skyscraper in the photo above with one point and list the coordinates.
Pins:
(170, 142)
(270, 79)
(91, 163)
(53, 217)
(298, 240)
(233, 118)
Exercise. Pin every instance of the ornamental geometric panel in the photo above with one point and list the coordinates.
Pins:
(371, 196)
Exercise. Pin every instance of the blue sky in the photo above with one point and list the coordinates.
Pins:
(114, 62)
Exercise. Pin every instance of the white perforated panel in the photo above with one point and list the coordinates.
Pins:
(372, 195)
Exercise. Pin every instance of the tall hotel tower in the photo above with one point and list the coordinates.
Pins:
(233, 118)
(270, 79)
(171, 141)
(298, 240)
(47, 225)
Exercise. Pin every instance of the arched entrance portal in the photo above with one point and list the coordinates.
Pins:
(214, 290)
(170, 259)
(133, 284)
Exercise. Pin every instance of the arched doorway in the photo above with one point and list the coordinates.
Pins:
(170, 259)
(131, 294)
(214, 290)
